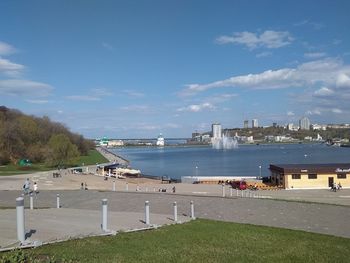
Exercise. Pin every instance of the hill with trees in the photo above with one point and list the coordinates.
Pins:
(38, 139)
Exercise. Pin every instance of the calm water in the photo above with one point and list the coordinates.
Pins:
(182, 161)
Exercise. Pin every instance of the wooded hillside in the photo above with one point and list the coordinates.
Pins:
(38, 139)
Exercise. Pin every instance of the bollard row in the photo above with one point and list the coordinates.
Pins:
(21, 220)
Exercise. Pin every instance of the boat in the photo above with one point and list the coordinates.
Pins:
(160, 140)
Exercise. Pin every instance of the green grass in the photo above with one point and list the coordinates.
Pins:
(204, 241)
(93, 157)
(12, 169)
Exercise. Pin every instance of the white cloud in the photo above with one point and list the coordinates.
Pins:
(6, 49)
(92, 95)
(263, 54)
(133, 93)
(315, 55)
(343, 80)
(137, 108)
(38, 101)
(10, 68)
(197, 107)
(268, 39)
(290, 113)
(323, 92)
(21, 87)
(306, 22)
(325, 71)
(83, 98)
(314, 112)
(336, 110)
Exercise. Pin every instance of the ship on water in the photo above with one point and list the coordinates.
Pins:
(160, 140)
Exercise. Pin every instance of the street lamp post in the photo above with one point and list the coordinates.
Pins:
(259, 171)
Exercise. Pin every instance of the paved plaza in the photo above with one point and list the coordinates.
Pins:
(80, 214)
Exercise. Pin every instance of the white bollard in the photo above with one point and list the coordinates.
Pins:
(146, 189)
(109, 172)
(113, 186)
(175, 212)
(126, 187)
(231, 191)
(223, 190)
(237, 193)
(154, 189)
(20, 219)
(104, 215)
(58, 201)
(192, 210)
(147, 213)
(31, 202)
(241, 193)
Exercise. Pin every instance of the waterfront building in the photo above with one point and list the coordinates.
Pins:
(304, 123)
(317, 127)
(115, 143)
(255, 123)
(310, 176)
(103, 142)
(160, 140)
(216, 130)
(246, 124)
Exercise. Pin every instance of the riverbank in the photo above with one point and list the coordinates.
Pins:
(112, 157)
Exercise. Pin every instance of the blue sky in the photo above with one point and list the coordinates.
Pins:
(131, 69)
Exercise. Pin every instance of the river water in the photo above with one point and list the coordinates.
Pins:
(177, 161)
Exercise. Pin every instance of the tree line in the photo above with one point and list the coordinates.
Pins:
(38, 139)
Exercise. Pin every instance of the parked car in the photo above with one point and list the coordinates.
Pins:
(240, 185)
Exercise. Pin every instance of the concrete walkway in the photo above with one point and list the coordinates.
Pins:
(81, 213)
(48, 225)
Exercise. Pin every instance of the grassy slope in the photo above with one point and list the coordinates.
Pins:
(205, 241)
(92, 158)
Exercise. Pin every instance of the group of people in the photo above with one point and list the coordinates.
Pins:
(28, 190)
(83, 186)
(336, 187)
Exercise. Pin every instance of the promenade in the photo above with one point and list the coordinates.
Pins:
(80, 214)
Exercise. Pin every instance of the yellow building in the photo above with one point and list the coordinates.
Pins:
(310, 176)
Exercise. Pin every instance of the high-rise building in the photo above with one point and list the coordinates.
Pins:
(216, 130)
(304, 123)
(255, 123)
(245, 125)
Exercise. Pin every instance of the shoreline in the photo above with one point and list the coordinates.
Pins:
(111, 156)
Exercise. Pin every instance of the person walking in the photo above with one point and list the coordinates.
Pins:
(26, 186)
(35, 189)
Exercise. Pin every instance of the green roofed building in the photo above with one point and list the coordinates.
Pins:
(24, 162)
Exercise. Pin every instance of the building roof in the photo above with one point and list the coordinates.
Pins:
(311, 168)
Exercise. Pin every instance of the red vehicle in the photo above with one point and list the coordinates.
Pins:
(240, 185)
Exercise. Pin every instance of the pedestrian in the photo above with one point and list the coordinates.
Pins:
(174, 189)
(86, 188)
(82, 186)
(35, 188)
(26, 186)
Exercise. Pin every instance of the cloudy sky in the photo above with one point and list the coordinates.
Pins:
(133, 69)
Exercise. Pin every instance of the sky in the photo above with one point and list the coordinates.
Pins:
(134, 69)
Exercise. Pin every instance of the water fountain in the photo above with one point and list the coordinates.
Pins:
(225, 142)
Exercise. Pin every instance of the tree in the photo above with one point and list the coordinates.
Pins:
(62, 151)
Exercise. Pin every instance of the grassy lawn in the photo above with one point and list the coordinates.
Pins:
(92, 158)
(203, 241)
(12, 169)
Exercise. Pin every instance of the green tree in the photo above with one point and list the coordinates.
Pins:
(62, 151)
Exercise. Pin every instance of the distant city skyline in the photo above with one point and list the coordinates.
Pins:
(136, 69)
